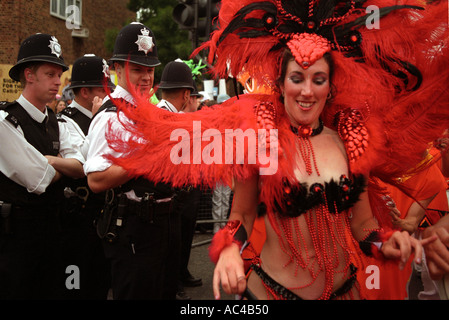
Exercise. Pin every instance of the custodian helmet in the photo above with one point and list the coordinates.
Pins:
(176, 75)
(90, 71)
(39, 47)
(136, 43)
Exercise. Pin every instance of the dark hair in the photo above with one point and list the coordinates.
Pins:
(287, 56)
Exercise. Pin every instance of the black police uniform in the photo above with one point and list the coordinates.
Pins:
(141, 238)
(30, 233)
(82, 246)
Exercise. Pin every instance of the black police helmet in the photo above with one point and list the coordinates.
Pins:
(39, 47)
(176, 74)
(195, 92)
(136, 43)
(90, 71)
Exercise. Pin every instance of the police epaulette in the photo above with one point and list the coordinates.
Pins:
(9, 117)
(13, 120)
(108, 106)
(111, 109)
(5, 104)
(69, 111)
(60, 118)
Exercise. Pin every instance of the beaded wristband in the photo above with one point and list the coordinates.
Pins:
(233, 232)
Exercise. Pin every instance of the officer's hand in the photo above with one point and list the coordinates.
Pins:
(96, 104)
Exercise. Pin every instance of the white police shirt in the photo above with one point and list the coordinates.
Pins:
(97, 145)
(76, 132)
(164, 104)
(24, 164)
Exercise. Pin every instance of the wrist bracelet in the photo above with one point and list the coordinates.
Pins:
(233, 232)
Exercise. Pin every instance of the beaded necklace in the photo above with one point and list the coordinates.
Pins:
(304, 132)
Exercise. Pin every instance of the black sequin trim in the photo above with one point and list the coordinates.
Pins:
(339, 196)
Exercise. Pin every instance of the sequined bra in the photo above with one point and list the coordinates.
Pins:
(339, 196)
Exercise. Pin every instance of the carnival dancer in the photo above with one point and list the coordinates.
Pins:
(349, 103)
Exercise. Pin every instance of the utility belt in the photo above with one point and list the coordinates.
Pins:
(9, 211)
(118, 207)
(81, 201)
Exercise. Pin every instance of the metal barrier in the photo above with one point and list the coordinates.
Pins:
(204, 216)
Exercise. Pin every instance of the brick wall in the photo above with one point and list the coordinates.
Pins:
(8, 30)
(21, 18)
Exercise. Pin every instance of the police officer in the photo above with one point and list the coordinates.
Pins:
(36, 153)
(195, 99)
(82, 247)
(177, 87)
(90, 77)
(142, 238)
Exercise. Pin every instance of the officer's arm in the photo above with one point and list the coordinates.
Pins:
(21, 162)
(68, 167)
(57, 176)
(112, 177)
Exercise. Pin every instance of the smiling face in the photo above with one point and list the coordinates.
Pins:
(305, 91)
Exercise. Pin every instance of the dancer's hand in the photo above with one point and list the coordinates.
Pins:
(229, 272)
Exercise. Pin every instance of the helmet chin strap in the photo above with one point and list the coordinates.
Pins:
(183, 106)
(186, 101)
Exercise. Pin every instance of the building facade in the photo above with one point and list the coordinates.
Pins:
(79, 25)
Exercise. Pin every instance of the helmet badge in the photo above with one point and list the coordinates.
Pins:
(106, 69)
(55, 46)
(144, 41)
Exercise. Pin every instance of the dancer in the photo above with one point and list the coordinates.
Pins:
(349, 103)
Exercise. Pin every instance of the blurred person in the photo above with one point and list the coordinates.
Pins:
(61, 105)
(411, 203)
(67, 93)
(54, 102)
(424, 284)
